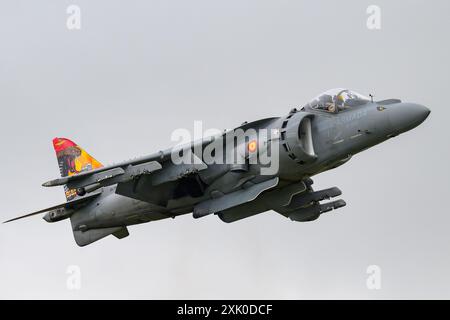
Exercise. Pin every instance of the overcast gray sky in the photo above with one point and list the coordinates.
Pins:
(138, 70)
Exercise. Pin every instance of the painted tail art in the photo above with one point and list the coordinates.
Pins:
(72, 159)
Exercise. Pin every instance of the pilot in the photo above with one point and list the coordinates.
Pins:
(331, 107)
(340, 101)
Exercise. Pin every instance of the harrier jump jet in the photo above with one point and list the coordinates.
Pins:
(322, 135)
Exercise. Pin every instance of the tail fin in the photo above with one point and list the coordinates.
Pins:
(72, 159)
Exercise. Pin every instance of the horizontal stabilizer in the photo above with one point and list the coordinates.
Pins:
(65, 205)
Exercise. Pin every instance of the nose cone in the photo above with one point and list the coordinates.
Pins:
(406, 116)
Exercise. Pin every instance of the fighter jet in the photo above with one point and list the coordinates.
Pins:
(259, 166)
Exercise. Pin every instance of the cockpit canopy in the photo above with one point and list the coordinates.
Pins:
(338, 99)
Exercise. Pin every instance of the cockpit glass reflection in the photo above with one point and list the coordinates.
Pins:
(336, 100)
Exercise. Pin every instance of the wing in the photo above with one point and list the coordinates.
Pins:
(127, 170)
(153, 178)
(178, 187)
